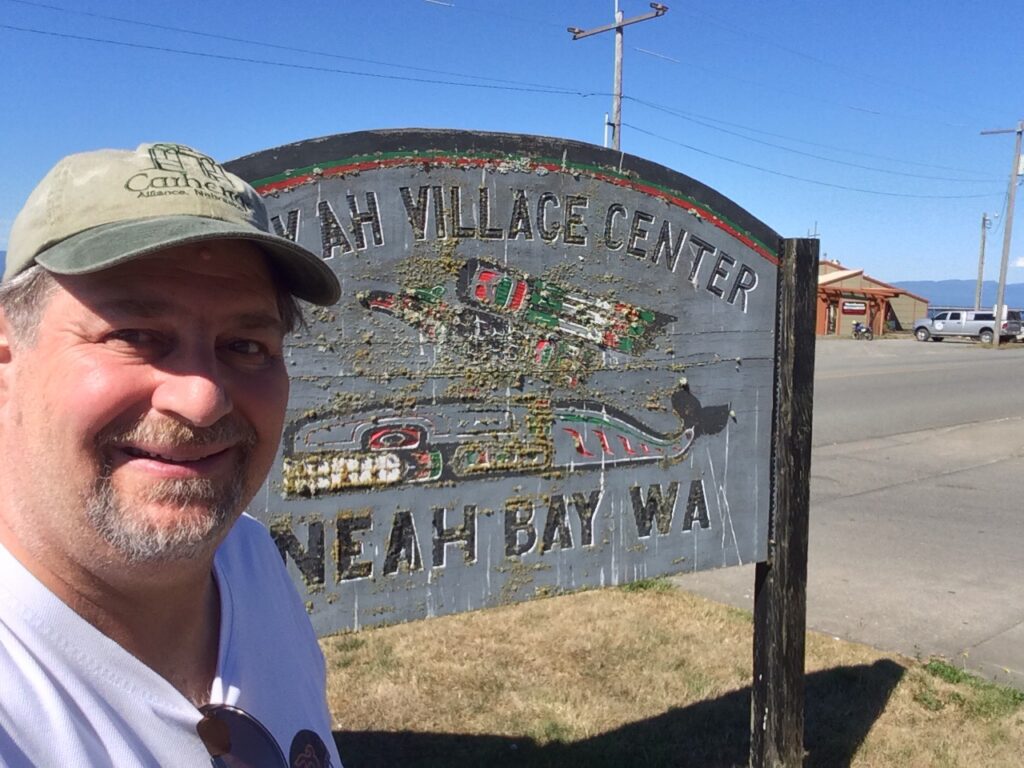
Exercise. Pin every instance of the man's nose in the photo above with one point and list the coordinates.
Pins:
(193, 390)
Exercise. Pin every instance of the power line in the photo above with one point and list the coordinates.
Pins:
(733, 29)
(802, 178)
(662, 56)
(306, 67)
(803, 94)
(264, 44)
(839, 162)
(689, 116)
(490, 13)
(740, 32)
(1002, 212)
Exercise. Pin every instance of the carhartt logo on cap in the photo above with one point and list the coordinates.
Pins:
(180, 170)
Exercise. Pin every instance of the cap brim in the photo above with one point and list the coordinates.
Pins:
(105, 246)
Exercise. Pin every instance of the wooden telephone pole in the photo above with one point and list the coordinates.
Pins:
(1007, 225)
(619, 23)
(986, 222)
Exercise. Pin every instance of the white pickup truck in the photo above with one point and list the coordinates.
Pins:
(977, 324)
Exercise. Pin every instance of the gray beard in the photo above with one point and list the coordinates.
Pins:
(205, 511)
(205, 507)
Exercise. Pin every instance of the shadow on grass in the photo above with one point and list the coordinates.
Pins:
(842, 704)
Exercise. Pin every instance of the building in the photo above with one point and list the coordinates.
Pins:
(848, 295)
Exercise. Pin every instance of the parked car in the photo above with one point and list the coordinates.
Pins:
(976, 324)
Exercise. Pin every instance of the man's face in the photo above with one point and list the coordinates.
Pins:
(148, 411)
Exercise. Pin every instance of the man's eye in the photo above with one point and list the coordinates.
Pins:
(136, 336)
(248, 347)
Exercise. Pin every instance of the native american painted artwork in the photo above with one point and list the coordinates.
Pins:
(383, 447)
(552, 367)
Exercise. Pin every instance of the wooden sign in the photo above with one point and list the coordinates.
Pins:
(553, 367)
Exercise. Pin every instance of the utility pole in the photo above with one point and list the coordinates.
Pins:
(1007, 224)
(986, 222)
(617, 25)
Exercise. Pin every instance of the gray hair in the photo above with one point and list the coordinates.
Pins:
(22, 300)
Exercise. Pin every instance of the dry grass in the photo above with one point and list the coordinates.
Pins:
(647, 677)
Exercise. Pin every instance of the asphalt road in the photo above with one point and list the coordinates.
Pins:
(917, 510)
(871, 389)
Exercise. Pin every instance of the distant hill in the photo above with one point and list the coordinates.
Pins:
(3, 261)
(960, 293)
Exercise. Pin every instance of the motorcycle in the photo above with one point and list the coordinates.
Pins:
(861, 331)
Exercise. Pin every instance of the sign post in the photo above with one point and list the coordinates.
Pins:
(780, 589)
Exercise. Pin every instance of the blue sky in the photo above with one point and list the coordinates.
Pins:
(861, 119)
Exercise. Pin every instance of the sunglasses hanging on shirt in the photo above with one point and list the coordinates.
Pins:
(236, 739)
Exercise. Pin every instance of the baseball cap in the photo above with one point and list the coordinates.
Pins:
(95, 210)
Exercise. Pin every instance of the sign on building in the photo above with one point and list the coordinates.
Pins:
(552, 368)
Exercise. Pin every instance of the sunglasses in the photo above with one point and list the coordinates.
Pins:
(236, 739)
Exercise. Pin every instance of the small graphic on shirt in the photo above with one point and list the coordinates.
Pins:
(308, 751)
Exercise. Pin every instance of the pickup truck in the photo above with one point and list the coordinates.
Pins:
(966, 322)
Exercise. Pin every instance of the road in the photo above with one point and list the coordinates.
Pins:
(917, 520)
(866, 390)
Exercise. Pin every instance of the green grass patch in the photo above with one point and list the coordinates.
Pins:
(550, 730)
(976, 696)
(348, 643)
(741, 615)
(345, 647)
(945, 671)
(929, 699)
(659, 584)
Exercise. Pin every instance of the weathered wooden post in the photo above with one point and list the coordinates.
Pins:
(780, 599)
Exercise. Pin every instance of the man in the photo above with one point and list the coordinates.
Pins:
(142, 397)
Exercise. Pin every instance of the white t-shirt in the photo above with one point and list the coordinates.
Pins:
(71, 696)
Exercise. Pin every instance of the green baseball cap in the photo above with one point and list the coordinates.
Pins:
(95, 210)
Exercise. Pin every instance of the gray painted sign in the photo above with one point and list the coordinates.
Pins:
(552, 368)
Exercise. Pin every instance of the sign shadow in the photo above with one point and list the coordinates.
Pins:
(842, 705)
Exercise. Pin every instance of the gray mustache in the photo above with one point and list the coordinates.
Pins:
(169, 432)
